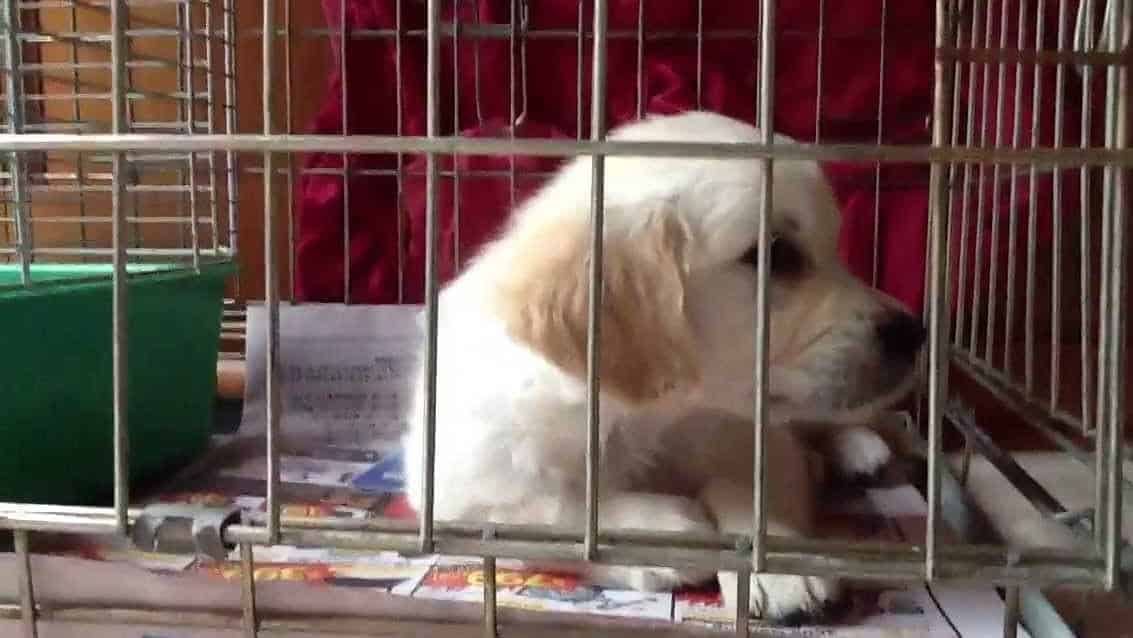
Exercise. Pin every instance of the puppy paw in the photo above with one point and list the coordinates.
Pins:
(784, 599)
(859, 453)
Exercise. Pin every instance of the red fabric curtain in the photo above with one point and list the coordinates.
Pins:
(842, 101)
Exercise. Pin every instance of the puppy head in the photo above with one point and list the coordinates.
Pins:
(838, 350)
(678, 311)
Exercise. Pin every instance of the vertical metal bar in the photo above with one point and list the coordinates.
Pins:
(476, 72)
(640, 58)
(15, 102)
(233, 187)
(1101, 439)
(271, 283)
(210, 125)
(343, 35)
(76, 116)
(248, 591)
(132, 172)
(432, 128)
(524, 22)
(118, 55)
(966, 460)
(1101, 455)
(1013, 198)
(1011, 612)
(981, 185)
(818, 73)
(579, 50)
(182, 108)
(1107, 219)
(190, 128)
(491, 627)
(966, 188)
(456, 131)
(1086, 282)
(763, 272)
(594, 325)
(743, 603)
(876, 271)
(938, 287)
(1033, 210)
(996, 183)
(290, 168)
(517, 50)
(513, 16)
(400, 157)
(1056, 221)
(25, 584)
(958, 75)
(699, 54)
(1118, 80)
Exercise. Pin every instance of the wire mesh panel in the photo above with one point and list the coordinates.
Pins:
(58, 203)
(127, 142)
(1039, 248)
(1032, 240)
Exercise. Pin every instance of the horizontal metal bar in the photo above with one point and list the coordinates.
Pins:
(93, 4)
(59, 523)
(557, 147)
(860, 560)
(145, 158)
(138, 252)
(9, 509)
(101, 37)
(133, 95)
(101, 183)
(456, 619)
(64, 189)
(487, 173)
(200, 220)
(870, 559)
(29, 67)
(1030, 56)
(502, 31)
(464, 173)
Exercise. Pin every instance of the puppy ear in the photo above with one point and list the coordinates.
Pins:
(647, 346)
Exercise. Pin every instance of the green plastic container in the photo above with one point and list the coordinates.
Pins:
(56, 411)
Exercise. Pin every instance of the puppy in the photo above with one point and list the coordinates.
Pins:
(677, 355)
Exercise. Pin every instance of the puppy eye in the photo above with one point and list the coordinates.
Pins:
(787, 260)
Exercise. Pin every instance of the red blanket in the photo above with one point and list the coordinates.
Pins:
(847, 90)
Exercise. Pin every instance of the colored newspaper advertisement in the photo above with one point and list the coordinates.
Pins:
(364, 486)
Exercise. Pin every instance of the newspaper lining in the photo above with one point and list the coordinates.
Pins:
(317, 488)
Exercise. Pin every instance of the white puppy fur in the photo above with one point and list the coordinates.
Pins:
(677, 356)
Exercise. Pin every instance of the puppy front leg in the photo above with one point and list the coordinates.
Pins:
(782, 598)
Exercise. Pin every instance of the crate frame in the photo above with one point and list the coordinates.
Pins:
(1017, 569)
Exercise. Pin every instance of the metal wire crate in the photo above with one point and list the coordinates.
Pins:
(119, 151)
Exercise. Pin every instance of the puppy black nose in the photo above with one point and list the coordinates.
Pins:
(900, 335)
